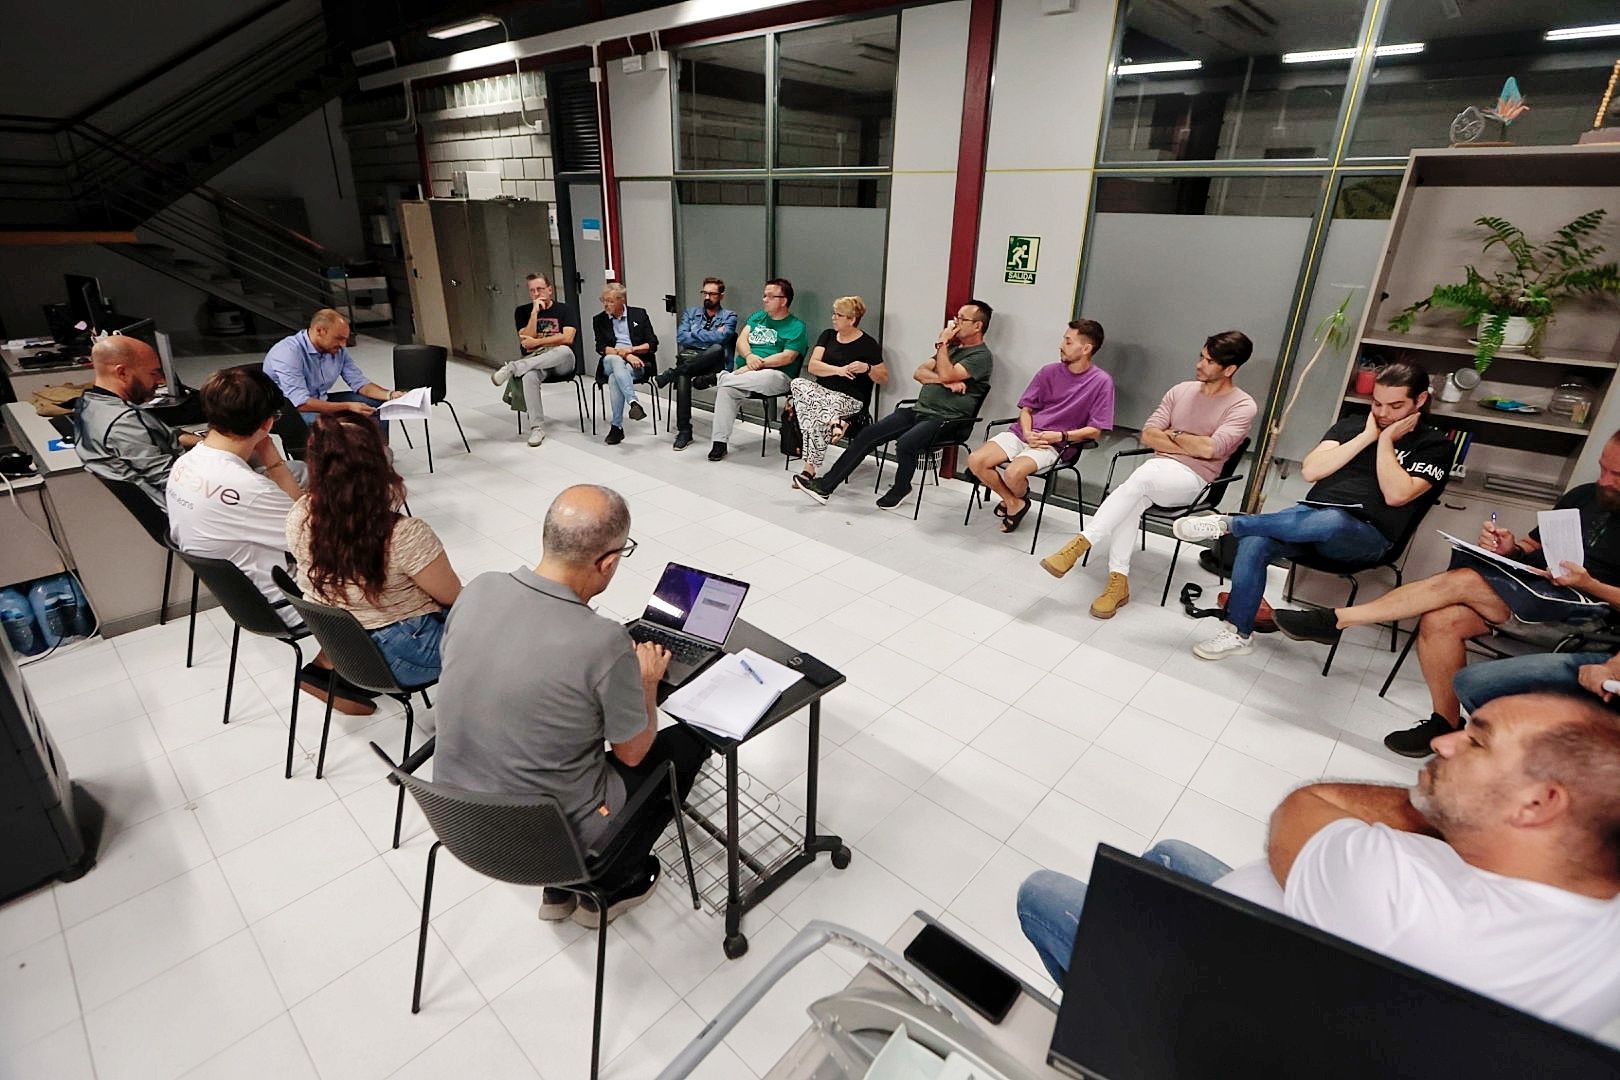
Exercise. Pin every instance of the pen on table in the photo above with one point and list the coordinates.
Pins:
(746, 666)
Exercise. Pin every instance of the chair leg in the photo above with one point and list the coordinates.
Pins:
(230, 672)
(922, 485)
(973, 497)
(168, 576)
(1170, 574)
(326, 725)
(403, 430)
(882, 456)
(1046, 489)
(601, 977)
(427, 437)
(399, 808)
(427, 910)
(1396, 666)
(1333, 651)
(427, 701)
(460, 432)
(770, 412)
(1395, 624)
(680, 831)
(191, 631)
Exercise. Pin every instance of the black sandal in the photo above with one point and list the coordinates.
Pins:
(1010, 522)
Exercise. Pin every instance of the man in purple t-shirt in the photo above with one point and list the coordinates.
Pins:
(1066, 403)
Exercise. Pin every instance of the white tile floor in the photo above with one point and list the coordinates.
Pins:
(243, 925)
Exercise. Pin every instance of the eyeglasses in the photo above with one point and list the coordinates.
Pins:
(624, 552)
(776, 296)
(711, 292)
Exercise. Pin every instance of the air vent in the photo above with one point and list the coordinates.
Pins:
(575, 144)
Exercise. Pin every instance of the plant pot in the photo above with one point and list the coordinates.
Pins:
(1517, 333)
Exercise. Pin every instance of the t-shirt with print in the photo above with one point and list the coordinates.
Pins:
(936, 400)
(865, 349)
(1600, 532)
(1063, 401)
(1413, 898)
(412, 545)
(1424, 453)
(219, 507)
(767, 337)
(549, 321)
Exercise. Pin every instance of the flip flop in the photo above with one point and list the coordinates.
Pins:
(1011, 522)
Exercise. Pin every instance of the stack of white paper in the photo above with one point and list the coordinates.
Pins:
(411, 405)
(730, 697)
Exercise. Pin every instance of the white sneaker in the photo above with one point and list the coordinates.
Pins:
(537, 434)
(1202, 527)
(1226, 643)
(501, 374)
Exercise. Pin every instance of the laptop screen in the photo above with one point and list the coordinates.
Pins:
(696, 602)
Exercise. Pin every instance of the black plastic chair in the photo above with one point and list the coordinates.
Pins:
(953, 433)
(355, 659)
(155, 521)
(581, 399)
(293, 432)
(1209, 498)
(250, 610)
(425, 365)
(527, 840)
(1501, 643)
(1045, 476)
(648, 372)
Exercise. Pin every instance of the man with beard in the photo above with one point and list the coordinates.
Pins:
(1476, 595)
(1499, 870)
(115, 438)
(707, 340)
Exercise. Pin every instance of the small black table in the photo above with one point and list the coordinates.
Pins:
(745, 635)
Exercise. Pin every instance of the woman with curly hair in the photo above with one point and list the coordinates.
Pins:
(357, 551)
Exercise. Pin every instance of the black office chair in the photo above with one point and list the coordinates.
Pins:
(425, 365)
(250, 610)
(155, 521)
(648, 372)
(355, 659)
(293, 432)
(1045, 476)
(527, 840)
(767, 403)
(1208, 500)
(581, 399)
(953, 433)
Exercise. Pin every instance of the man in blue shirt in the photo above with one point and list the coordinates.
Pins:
(306, 366)
(706, 338)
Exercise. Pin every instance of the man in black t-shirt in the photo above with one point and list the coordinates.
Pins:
(1372, 475)
(1477, 594)
(546, 330)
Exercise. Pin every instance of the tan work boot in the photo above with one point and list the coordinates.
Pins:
(1114, 597)
(1061, 561)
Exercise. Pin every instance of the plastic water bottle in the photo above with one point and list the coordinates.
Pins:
(55, 609)
(18, 619)
(84, 620)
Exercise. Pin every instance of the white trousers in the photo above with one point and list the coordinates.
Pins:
(1160, 480)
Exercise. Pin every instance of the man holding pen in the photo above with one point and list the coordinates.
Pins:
(1477, 594)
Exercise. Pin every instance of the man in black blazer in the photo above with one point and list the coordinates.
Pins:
(627, 347)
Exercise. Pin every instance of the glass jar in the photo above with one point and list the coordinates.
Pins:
(1573, 401)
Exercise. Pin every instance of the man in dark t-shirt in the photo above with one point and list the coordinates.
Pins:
(1478, 593)
(1372, 475)
(546, 328)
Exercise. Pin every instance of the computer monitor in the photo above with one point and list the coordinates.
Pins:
(84, 300)
(1172, 978)
(146, 330)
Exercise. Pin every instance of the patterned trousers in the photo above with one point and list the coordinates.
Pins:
(818, 409)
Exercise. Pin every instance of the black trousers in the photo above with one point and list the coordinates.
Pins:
(710, 361)
(911, 433)
(678, 744)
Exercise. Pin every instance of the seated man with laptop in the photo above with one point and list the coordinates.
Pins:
(534, 682)
(1499, 870)
(690, 614)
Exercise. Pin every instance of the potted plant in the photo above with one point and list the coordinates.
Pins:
(1511, 307)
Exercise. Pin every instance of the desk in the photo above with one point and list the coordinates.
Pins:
(25, 380)
(738, 902)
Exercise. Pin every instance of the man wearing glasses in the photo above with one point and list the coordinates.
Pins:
(535, 682)
(770, 351)
(706, 338)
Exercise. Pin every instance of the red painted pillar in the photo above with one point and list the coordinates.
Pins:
(610, 182)
(975, 139)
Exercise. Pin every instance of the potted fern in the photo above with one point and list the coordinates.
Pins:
(1511, 308)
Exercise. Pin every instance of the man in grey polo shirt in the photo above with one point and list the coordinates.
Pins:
(534, 682)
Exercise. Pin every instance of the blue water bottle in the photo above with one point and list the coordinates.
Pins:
(84, 620)
(18, 619)
(55, 610)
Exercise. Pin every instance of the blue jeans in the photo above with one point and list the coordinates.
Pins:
(1333, 534)
(411, 647)
(621, 381)
(350, 395)
(1537, 673)
(1049, 903)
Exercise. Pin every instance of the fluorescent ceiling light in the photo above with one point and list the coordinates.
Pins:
(1576, 33)
(1165, 65)
(466, 26)
(1316, 56)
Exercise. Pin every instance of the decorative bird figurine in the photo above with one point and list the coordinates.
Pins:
(1510, 106)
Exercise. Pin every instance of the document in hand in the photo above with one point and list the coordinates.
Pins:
(730, 697)
(1530, 577)
(1561, 540)
(411, 405)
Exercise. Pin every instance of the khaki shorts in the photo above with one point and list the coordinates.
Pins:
(1012, 445)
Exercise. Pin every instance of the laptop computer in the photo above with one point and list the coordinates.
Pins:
(690, 613)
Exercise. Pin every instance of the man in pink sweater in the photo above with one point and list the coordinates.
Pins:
(1197, 426)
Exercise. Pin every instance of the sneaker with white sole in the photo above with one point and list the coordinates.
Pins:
(557, 904)
(537, 434)
(1202, 527)
(501, 374)
(1226, 643)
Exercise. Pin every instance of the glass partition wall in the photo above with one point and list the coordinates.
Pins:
(1249, 164)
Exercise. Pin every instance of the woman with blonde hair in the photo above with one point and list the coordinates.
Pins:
(844, 366)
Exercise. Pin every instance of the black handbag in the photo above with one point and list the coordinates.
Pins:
(792, 437)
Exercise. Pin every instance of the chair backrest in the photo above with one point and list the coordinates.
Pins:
(236, 593)
(352, 652)
(1426, 503)
(292, 431)
(519, 839)
(1230, 465)
(152, 517)
(421, 365)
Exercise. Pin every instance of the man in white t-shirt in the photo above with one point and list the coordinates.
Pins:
(1498, 870)
(228, 496)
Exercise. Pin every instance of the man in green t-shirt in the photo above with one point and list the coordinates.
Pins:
(954, 382)
(770, 351)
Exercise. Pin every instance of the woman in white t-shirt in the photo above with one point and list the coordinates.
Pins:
(357, 551)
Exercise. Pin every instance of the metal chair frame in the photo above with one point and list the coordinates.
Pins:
(155, 520)
(425, 365)
(646, 376)
(1045, 476)
(953, 433)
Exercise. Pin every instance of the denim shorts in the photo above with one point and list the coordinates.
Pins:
(411, 647)
(1526, 605)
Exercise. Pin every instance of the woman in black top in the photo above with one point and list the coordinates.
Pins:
(844, 366)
